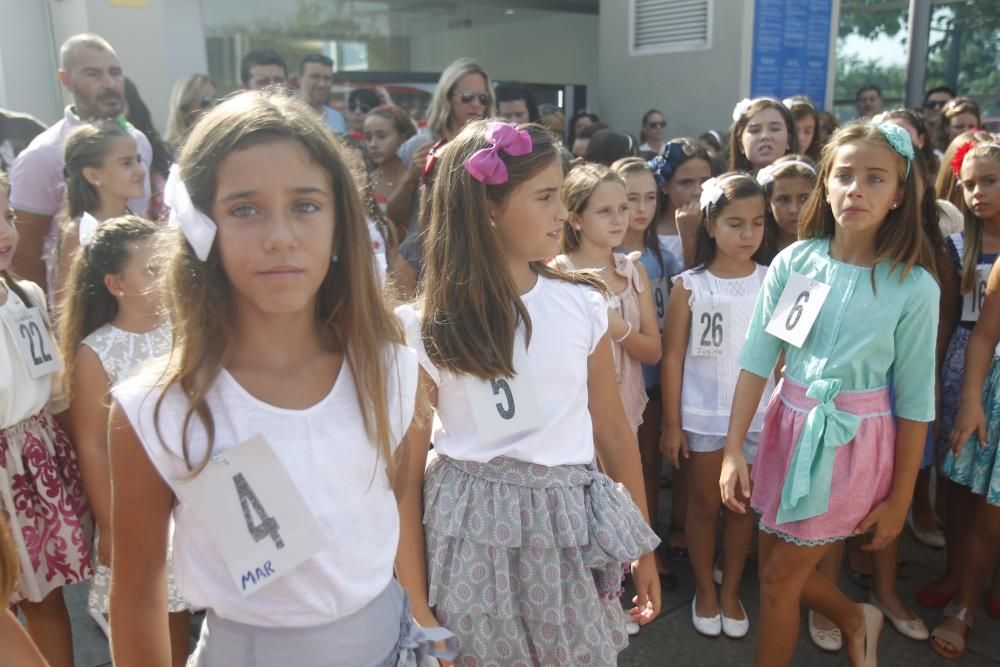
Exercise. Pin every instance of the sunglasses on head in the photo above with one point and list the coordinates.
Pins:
(658, 124)
(467, 96)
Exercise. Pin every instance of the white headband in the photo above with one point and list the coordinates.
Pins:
(711, 190)
(766, 175)
(198, 228)
(88, 227)
(741, 108)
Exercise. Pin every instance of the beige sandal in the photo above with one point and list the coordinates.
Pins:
(940, 634)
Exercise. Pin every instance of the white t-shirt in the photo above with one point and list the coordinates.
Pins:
(568, 321)
(22, 396)
(333, 464)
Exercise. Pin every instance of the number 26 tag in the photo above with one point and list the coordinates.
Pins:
(710, 330)
(797, 309)
(255, 514)
(505, 406)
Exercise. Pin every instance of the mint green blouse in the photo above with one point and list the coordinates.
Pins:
(864, 338)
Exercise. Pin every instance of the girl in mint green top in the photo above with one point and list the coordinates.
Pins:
(853, 307)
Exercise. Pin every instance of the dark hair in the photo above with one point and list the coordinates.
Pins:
(317, 58)
(607, 146)
(940, 89)
(87, 146)
(802, 107)
(571, 135)
(735, 185)
(365, 96)
(589, 131)
(5, 275)
(257, 57)
(372, 210)
(787, 166)
(88, 304)
(400, 120)
(645, 117)
(916, 120)
(139, 116)
(738, 161)
(866, 88)
(511, 91)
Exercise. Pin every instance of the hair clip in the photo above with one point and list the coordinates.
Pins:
(766, 175)
(959, 157)
(900, 141)
(198, 228)
(741, 108)
(711, 192)
(486, 165)
(794, 100)
(88, 227)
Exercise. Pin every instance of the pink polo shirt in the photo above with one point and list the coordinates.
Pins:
(37, 181)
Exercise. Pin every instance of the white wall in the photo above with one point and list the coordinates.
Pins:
(695, 90)
(551, 49)
(27, 61)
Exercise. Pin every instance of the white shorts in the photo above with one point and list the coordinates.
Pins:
(699, 442)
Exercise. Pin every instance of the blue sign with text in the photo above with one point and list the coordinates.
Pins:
(791, 49)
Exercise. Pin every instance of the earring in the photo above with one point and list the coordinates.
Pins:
(334, 258)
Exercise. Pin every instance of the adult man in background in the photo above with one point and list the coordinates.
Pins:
(868, 100)
(516, 103)
(92, 74)
(934, 101)
(263, 68)
(315, 79)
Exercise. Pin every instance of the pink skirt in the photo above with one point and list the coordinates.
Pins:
(862, 466)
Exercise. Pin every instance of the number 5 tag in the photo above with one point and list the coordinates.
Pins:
(505, 406)
(255, 514)
(32, 338)
(709, 329)
(797, 309)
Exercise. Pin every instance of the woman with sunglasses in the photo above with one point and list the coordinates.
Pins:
(192, 96)
(654, 126)
(464, 92)
(359, 103)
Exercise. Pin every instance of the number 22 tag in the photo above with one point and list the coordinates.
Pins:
(32, 338)
(797, 309)
(710, 329)
(255, 514)
(505, 406)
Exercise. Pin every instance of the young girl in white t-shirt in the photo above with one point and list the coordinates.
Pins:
(272, 432)
(525, 540)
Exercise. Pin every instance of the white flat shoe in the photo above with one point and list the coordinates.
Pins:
(735, 628)
(912, 628)
(874, 620)
(710, 626)
(932, 538)
(830, 640)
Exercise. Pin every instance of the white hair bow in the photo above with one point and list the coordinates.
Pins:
(198, 228)
(711, 192)
(88, 227)
(741, 108)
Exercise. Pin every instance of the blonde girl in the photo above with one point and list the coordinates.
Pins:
(852, 306)
(518, 365)
(708, 316)
(271, 433)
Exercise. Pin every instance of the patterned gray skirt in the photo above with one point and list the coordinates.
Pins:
(525, 562)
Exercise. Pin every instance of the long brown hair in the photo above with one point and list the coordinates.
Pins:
(349, 304)
(89, 305)
(973, 225)
(787, 166)
(947, 185)
(576, 192)
(900, 239)
(735, 185)
(471, 306)
(738, 161)
(87, 147)
(8, 279)
(801, 107)
(650, 239)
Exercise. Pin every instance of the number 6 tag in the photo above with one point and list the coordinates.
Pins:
(32, 338)
(505, 406)
(709, 329)
(255, 514)
(797, 309)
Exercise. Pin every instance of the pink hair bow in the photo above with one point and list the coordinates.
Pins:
(485, 165)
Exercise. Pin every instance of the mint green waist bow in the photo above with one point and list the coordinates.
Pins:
(806, 492)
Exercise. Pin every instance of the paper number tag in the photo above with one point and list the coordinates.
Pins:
(710, 329)
(661, 294)
(797, 309)
(505, 406)
(32, 338)
(255, 514)
(972, 303)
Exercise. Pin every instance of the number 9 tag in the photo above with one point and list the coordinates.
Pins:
(710, 329)
(32, 338)
(255, 514)
(505, 406)
(797, 309)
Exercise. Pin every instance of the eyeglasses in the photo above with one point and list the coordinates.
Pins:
(657, 124)
(935, 104)
(207, 102)
(466, 96)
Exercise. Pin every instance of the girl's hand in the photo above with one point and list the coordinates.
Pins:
(647, 587)
(419, 159)
(735, 473)
(887, 521)
(970, 419)
(425, 618)
(617, 326)
(673, 442)
(688, 217)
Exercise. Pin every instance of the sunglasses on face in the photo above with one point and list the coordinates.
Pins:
(935, 104)
(657, 124)
(467, 96)
(361, 108)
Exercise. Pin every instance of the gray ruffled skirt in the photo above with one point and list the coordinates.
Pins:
(525, 562)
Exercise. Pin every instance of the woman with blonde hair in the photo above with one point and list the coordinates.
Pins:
(192, 96)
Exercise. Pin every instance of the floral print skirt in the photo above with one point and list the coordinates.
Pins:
(43, 505)
(977, 465)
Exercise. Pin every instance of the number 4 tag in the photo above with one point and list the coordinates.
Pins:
(797, 309)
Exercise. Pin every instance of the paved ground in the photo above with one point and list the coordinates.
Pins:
(670, 640)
